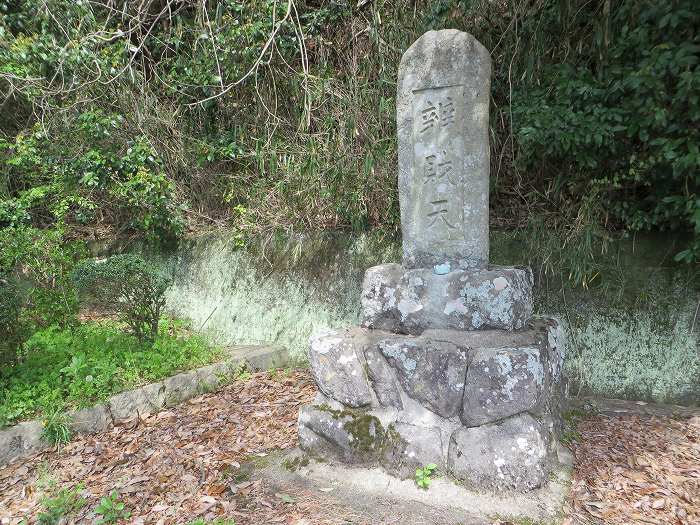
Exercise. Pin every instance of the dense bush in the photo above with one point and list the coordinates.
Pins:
(624, 130)
(271, 114)
(77, 367)
(128, 285)
(35, 288)
(11, 327)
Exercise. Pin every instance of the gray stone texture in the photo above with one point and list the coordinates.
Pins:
(423, 389)
(442, 113)
(180, 387)
(510, 454)
(382, 379)
(149, 398)
(502, 382)
(21, 440)
(411, 301)
(430, 372)
(408, 447)
(257, 357)
(351, 436)
(338, 365)
(212, 377)
(90, 420)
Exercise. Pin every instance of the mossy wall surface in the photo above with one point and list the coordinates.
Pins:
(634, 334)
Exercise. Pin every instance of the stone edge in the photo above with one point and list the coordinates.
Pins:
(24, 439)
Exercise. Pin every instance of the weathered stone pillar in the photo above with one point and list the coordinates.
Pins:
(442, 115)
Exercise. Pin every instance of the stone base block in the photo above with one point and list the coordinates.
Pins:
(24, 438)
(443, 397)
(510, 454)
(410, 301)
(368, 437)
(355, 437)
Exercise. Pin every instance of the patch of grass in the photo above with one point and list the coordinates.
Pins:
(61, 505)
(570, 434)
(63, 369)
(294, 464)
(242, 373)
(56, 429)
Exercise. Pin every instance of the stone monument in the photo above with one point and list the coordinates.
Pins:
(449, 366)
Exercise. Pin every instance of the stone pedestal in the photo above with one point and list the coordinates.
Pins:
(449, 367)
(482, 405)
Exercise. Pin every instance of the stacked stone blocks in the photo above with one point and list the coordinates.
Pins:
(482, 405)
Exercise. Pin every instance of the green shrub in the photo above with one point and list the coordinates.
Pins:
(77, 367)
(12, 331)
(594, 103)
(128, 284)
(35, 288)
(621, 122)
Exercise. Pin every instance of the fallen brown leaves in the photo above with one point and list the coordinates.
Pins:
(637, 469)
(179, 464)
(190, 461)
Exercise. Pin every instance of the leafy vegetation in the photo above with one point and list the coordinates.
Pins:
(424, 475)
(77, 367)
(35, 288)
(111, 509)
(170, 115)
(11, 329)
(56, 425)
(129, 285)
(61, 505)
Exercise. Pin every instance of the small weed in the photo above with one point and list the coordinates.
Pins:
(570, 434)
(111, 509)
(423, 475)
(56, 430)
(242, 373)
(568, 437)
(65, 502)
(294, 464)
(273, 373)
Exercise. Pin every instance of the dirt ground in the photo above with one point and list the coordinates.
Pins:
(195, 461)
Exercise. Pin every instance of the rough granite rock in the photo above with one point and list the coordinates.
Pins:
(90, 420)
(213, 376)
(179, 388)
(409, 447)
(351, 436)
(411, 301)
(442, 118)
(502, 382)
(338, 365)
(510, 454)
(150, 398)
(382, 377)
(431, 372)
(20, 440)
